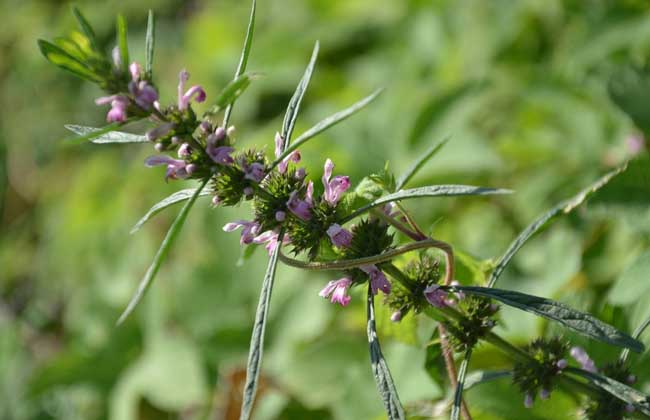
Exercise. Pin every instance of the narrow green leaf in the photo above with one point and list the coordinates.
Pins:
(122, 42)
(636, 335)
(165, 246)
(294, 104)
(230, 93)
(430, 191)
(458, 394)
(482, 376)
(410, 173)
(243, 58)
(621, 391)
(101, 136)
(86, 28)
(327, 123)
(177, 197)
(59, 57)
(580, 322)
(257, 338)
(380, 370)
(150, 42)
(72, 49)
(563, 208)
(90, 133)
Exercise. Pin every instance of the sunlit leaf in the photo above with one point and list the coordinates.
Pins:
(59, 57)
(176, 197)
(86, 28)
(101, 136)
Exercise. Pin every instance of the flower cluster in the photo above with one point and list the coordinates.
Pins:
(605, 406)
(477, 319)
(423, 274)
(537, 376)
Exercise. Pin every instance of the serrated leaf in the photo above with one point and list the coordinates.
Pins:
(230, 93)
(580, 322)
(59, 57)
(101, 136)
(327, 123)
(418, 164)
(456, 408)
(122, 42)
(294, 104)
(243, 58)
(165, 246)
(563, 208)
(430, 191)
(176, 197)
(149, 44)
(257, 338)
(433, 110)
(380, 370)
(86, 28)
(619, 390)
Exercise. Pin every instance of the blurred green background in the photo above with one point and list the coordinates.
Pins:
(524, 89)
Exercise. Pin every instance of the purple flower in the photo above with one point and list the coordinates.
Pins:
(196, 92)
(160, 131)
(528, 401)
(378, 280)
(335, 187)
(309, 195)
(293, 157)
(635, 144)
(248, 233)
(270, 238)
(336, 290)
(300, 208)
(145, 95)
(340, 236)
(176, 169)
(279, 145)
(562, 364)
(436, 296)
(544, 394)
(135, 69)
(254, 171)
(219, 154)
(119, 103)
(581, 356)
(280, 216)
(184, 151)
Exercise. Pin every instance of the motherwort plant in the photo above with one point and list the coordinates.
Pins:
(327, 225)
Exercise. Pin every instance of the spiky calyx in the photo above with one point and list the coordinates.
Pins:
(278, 187)
(478, 320)
(421, 272)
(606, 406)
(230, 183)
(539, 374)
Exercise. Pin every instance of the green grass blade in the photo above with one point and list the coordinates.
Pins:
(243, 59)
(177, 197)
(294, 104)
(150, 42)
(86, 29)
(563, 208)
(429, 191)
(327, 123)
(100, 136)
(165, 246)
(410, 172)
(257, 338)
(580, 322)
(456, 408)
(380, 371)
(621, 391)
(122, 42)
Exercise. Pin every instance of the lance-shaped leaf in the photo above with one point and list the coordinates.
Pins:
(86, 28)
(456, 408)
(59, 57)
(105, 134)
(563, 208)
(230, 93)
(294, 104)
(430, 191)
(149, 45)
(325, 124)
(257, 338)
(176, 197)
(165, 246)
(482, 376)
(619, 390)
(243, 58)
(410, 172)
(636, 334)
(122, 42)
(380, 370)
(577, 321)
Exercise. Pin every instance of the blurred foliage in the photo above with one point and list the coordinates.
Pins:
(537, 96)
